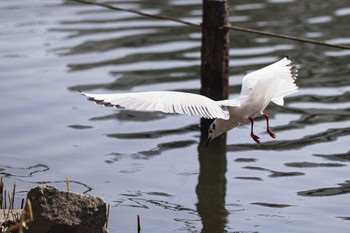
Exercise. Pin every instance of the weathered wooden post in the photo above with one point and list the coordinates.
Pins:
(214, 52)
(214, 55)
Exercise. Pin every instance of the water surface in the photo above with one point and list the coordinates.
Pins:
(149, 163)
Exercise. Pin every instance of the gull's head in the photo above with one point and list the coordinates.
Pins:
(214, 131)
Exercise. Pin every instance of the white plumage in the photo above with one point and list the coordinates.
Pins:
(269, 84)
(164, 101)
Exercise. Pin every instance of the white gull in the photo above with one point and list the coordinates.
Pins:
(269, 84)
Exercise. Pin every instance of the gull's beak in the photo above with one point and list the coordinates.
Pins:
(208, 141)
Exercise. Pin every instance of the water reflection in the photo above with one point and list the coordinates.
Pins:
(23, 174)
(148, 154)
(275, 173)
(17, 172)
(343, 188)
(342, 157)
(74, 185)
(211, 187)
(328, 135)
(271, 205)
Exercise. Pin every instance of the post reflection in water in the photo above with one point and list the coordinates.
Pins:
(211, 187)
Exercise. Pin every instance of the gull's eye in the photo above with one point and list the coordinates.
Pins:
(214, 126)
(210, 131)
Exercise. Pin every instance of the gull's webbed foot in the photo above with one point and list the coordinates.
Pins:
(255, 138)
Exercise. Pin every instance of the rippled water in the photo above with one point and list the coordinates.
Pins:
(149, 163)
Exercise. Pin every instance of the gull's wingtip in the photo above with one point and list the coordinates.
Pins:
(293, 67)
(83, 93)
(88, 96)
(289, 59)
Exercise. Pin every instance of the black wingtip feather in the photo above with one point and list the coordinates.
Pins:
(294, 71)
(290, 59)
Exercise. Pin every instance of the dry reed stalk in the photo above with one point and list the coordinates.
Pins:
(67, 184)
(13, 196)
(1, 190)
(108, 209)
(5, 205)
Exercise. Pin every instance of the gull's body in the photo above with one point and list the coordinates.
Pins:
(269, 84)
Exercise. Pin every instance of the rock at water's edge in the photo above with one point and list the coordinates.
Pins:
(57, 211)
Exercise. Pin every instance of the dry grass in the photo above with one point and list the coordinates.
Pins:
(13, 219)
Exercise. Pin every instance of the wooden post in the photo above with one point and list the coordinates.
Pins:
(214, 51)
(215, 48)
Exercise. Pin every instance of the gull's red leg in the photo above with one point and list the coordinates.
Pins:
(269, 131)
(255, 137)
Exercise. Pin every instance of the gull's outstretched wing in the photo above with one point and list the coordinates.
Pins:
(164, 101)
(271, 83)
